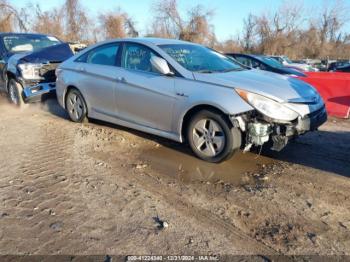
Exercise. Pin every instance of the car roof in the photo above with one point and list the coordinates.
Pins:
(14, 34)
(153, 40)
(248, 55)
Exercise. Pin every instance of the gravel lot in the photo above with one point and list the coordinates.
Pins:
(97, 188)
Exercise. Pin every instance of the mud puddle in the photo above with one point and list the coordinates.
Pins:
(189, 169)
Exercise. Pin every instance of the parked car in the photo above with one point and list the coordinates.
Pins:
(334, 88)
(318, 64)
(264, 63)
(284, 60)
(28, 63)
(188, 93)
(334, 66)
(344, 68)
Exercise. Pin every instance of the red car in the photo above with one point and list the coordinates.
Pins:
(334, 88)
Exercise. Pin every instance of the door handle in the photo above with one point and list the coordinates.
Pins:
(82, 69)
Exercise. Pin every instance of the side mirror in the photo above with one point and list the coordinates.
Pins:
(161, 65)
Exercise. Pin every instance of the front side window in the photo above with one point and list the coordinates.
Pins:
(103, 55)
(200, 59)
(138, 57)
(272, 62)
(244, 60)
(28, 43)
(256, 64)
(287, 60)
(278, 59)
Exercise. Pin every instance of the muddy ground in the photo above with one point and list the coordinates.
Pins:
(97, 188)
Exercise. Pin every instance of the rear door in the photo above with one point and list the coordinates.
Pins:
(144, 96)
(97, 70)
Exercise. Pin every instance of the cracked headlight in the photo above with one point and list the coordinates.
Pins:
(30, 71)
(268, 107)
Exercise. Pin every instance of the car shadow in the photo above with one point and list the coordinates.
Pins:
(50, 104)
(321, 150)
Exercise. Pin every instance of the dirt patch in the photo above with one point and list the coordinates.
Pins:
(67, 188)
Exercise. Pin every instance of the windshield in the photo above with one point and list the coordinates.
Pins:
(200, 59)
(271, 62)
(28, 43)
(287, 60)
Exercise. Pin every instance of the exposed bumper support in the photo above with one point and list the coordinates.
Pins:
(259, 130)
(34, 93)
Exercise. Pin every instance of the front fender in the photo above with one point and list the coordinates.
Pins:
(65, 80)
(203, 94)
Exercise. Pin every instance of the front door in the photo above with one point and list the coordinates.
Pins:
(144, 96)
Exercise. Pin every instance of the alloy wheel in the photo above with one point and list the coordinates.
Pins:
(75, 106)
(208, 137)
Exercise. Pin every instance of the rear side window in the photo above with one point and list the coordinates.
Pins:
(103, 55)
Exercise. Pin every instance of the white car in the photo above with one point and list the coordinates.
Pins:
(284, 60)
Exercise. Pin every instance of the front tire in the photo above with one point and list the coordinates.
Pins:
(212, 137)
(15, 93)
(76, 106)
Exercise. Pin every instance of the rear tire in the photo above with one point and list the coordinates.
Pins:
(212, 137)
(76, 106)
(15, 93)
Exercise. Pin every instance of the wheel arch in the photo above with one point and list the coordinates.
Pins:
(9, 75)
(71, 87)
(195, 109)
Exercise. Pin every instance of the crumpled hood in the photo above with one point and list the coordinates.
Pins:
(278, 87)
(53, 54)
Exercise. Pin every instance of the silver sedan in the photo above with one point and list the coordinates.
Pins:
(188, 93)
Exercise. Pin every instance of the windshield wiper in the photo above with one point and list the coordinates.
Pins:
(231, 70)
(205, 71)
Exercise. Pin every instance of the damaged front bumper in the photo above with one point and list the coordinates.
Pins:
(35, 93)
(260, 130)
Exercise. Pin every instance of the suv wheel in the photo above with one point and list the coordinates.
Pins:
(15, 91)
(76, 106)
(211, 137)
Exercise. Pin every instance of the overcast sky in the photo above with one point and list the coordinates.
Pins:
(228, 18)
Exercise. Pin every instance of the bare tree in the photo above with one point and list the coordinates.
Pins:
(117, 24)
(249, 32)
(331, 20)
(168, 22)
(195, 27)
(229, 46)
(77, 22)
(10, 17)
(289, 30)
(49, 22)
(198, 29)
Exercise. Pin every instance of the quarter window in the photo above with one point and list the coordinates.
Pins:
(138, 57)
(103, 55)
